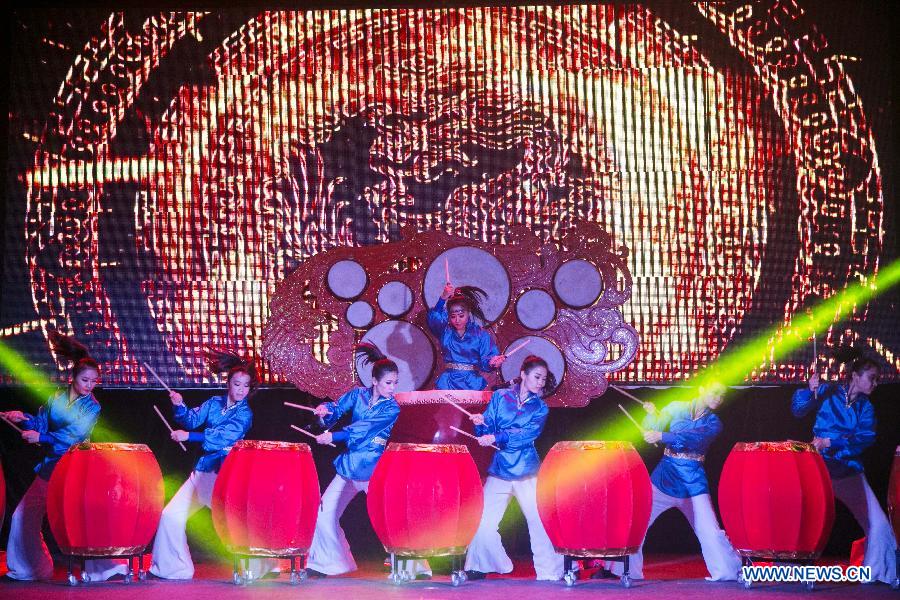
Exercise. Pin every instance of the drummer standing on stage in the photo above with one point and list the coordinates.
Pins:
(374, 412)
(513, 420)
(679, 481)
(224, 420)
(66, 420)
(844, 428)
(466, 346)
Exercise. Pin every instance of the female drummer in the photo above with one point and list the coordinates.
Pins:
(221, 421)
(679, 481)
(65, 420)
(513, 420)
(467, 348)
(844, 428)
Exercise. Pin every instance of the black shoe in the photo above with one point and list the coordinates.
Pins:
(423, 577)
(602, 573)
(314, 573)
(475, 575)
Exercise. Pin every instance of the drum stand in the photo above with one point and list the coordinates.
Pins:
(570, 575)
(129, 575)
(457, 573)
(241, 574)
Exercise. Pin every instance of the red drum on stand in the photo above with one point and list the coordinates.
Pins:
(894, 494)
(594, 498)
(425, 499)
(105, 499)
(266, 499)
(776, 500)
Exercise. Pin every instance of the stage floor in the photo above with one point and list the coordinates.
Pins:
(668, 577)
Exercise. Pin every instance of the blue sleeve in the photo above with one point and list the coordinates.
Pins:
(804, 401)
(487, 350)
(521, 437)
(229, 431)
(74, 432)
(659, 420)
(437, 318)
(339, 407)
(695, 439)
(490, 416)
(853, 444)
(193, 418)
(37, 423)
(359, 433)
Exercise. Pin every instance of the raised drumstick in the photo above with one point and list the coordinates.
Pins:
(517, 348)
(11, 424)
(447, 269)
(632, 419)
(627, 395)
(305, 432)
(169, 427)
(469, 435)
(456, 406)
(300, 406)
(161, 382)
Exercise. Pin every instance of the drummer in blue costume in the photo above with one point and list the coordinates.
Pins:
(679, 481)
(373, 414)
(844, 428)
(224, 420)
(466, 346)
(513, 420)
(66, 420)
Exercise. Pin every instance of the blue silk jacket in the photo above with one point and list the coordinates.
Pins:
(476, 347)
(62, 426)
(515, 428)
(367, 434)
(223, 427)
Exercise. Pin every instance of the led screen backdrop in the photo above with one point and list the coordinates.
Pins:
(167, 170)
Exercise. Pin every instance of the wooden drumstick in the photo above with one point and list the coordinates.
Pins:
(632, 419)
(305, 432)
(300, 406)
(516, 349)
(11, 424)
(456, 406)
(169, 427)
(469, 435)
(161, 382)
(627, 395)
(447, 269)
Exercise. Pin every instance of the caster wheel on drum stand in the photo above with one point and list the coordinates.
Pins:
(129, 577)
(395, 578)
(454, 579)
(626, 581)
(72, 580)
(142, 575)
(569, 578)
(746, 583)
(810, 585)
(236, 579)
(248, 577)
(297, 577)
(84, 577)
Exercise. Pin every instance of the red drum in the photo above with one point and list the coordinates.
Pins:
(425, 499)
(266, 499)
(894, 494)
(105, 499)
(594, 498)
(776, 500)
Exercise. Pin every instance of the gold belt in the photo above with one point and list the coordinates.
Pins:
(685, 455)
(461, 366)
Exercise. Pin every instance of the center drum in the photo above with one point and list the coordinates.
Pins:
(594, 498)
(425, 499)
(266, 499)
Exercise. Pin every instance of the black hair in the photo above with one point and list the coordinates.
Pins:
(72, 350)
(381, 364)
(470, 297)
(226, 361)
(530, 363)
(854, 360)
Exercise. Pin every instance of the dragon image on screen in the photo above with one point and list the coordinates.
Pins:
(168, 170)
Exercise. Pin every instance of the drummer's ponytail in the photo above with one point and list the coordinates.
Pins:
(72, 350)
(854, 360)
(381, 364)
(471, 298)
(225, 361)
